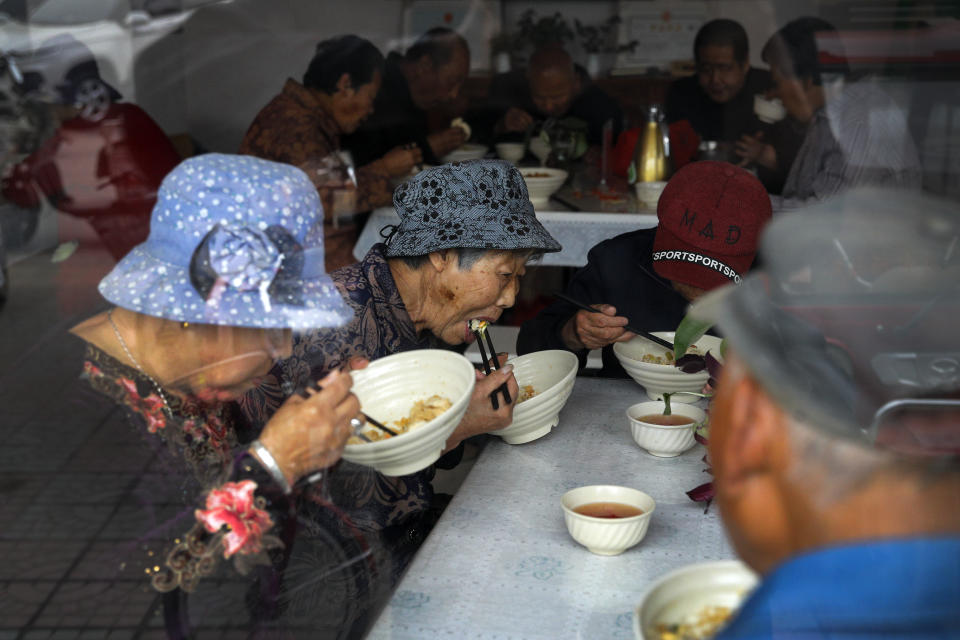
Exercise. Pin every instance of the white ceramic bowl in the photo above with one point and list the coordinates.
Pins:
(387, 389)
(510, 151)
(468, 151)
(607, 536)
(648, 193)
(682, 595)
(664, 441)
(552, 375)
(542, 182)
(658, 378)
(768, 111)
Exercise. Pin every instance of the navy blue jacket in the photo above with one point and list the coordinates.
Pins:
(619, 271)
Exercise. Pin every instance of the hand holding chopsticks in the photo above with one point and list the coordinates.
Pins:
(356, 423)
(690, 363)
(482, 334)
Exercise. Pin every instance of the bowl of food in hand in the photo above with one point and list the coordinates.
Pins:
(546, 380)
(607, 519)
(422, 395)
(468, 151)
(652, 366)
(695, 601)
(542, 182)
(510, 151)
(768, 110)
(664, 436)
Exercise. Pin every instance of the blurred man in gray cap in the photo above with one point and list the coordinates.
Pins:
(836, 425)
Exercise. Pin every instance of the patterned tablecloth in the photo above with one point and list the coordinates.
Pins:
(500, 563)
(576, 231)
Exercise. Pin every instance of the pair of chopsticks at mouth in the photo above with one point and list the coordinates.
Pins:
(356, 423)
(480, 335)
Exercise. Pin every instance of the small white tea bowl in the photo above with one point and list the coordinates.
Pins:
(510, 151)
(607, 536)
(664, 441)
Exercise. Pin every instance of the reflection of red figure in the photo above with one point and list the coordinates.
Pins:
(106, 172)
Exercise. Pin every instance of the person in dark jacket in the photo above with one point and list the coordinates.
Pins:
(551, 87)
(711, 214)
(429, 75)
(717, 101)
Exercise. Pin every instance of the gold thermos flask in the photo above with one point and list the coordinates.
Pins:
(651, 157)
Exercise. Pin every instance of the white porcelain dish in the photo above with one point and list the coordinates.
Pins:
(510, 151)
(542, 182)
(648, 193)
(768, 111)
(664, 441)
(660, 378)
(468, 151)
(682, 595)
(607, 536)
(552, 375)
(387, 389)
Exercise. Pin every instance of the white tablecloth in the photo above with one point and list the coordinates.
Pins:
(500, 563)
(576, 231)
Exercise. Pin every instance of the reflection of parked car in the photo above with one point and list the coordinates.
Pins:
(112, 29)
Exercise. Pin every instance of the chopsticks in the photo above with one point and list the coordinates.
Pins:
(480, 334)
(646, 334)
(304, 392)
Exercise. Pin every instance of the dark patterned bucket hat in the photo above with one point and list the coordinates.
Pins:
(478, 204)
(235, 241)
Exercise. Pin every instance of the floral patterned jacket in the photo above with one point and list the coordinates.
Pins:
(241, 501)
(380, 326)
(294, 128)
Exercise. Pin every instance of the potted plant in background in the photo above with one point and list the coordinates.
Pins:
(544, 31)
(600, 44)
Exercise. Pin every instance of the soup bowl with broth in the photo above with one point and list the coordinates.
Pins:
(664, 436)
(607, 519)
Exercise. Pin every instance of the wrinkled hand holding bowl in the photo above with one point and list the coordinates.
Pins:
(683, 595)
(542, 182)
(469, 151)
(510, 151)
(607, 536)
(664, 441)
(387, 389)
(648, 193)
(768, 111)
(660, 378)
(552, 375)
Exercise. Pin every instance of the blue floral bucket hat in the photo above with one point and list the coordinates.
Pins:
(234, 240)
(478, 204)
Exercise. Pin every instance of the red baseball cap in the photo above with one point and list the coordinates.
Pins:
(711, 215)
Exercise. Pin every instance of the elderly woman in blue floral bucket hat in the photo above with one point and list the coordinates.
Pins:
(466, 234)
(203, 308)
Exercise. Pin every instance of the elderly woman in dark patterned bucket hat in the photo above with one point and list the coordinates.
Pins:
(233, 263)
(466, 234)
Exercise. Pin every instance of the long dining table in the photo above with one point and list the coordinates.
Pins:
(500, 563)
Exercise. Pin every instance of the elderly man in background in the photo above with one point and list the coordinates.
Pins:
(855, 135)
(718, 103)
(710, 218)
(718, 99)
(835, 428)
(302, 126)
(428, 76)
(551, 87)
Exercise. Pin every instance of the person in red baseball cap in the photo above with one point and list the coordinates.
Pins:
(710, 218)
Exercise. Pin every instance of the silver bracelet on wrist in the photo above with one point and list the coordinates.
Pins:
(269, 463)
